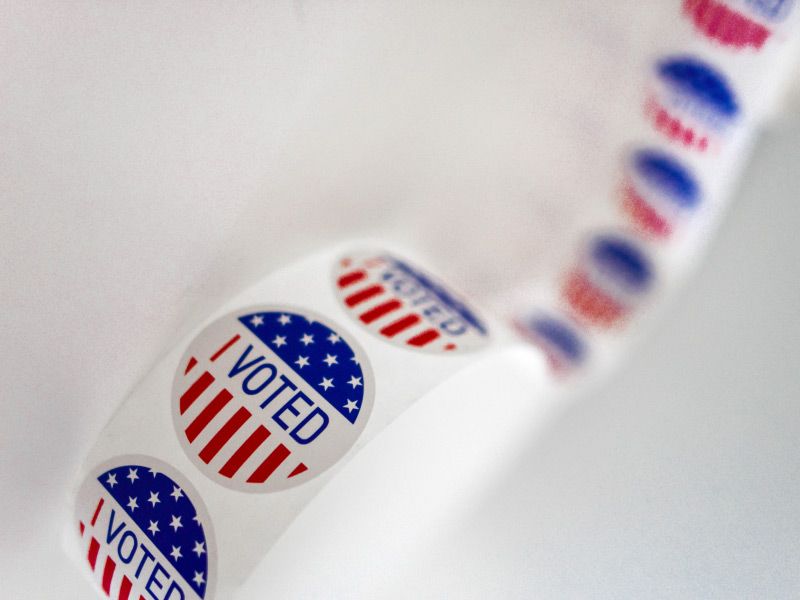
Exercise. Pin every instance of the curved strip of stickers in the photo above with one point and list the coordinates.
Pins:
(268, 398)
(673, 189)
(240, 426)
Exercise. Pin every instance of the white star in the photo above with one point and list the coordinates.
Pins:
(351, 405)
(354, 381)
(302, 361)
(176, 523)
(153, 529)
(284, 319)
(153, 472)
(307, 339)
(326, 383)
(176, 553)
(196, 519)
(132, 503)
(198, 579)
(257, 320)
(132, 475)
(279, 341)
(330, 360)
(176, 493)
(199, 549)
(112, 480)
(355, 360)
(333, 338)
(153, 499)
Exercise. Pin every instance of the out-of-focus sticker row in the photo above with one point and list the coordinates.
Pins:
(693, 110)
(269, 397)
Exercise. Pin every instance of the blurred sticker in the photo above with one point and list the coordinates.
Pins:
(609, 281)
(561, 343)
(267, 398)
(737, 24)
(691, 103)
(405, 306)
(145, 533)
(658, 192)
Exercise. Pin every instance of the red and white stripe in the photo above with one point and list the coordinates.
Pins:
(375, 306)
(224, 433)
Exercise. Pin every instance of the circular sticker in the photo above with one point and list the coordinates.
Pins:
(561, 343)
(691, 103)
(405, 306)
(144, 532)
(659, 192)
(611, 278)
(266, 398)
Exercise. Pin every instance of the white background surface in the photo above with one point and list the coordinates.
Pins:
(156, 159)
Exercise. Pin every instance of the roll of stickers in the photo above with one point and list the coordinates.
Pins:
(212, 456)
(215, 452)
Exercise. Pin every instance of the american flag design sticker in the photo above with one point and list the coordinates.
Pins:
(659, 192)
(405, 306)
(561, 343)
(612, 277)
(691, 103)
(144, 534)
(737, 24)
(267, 398)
